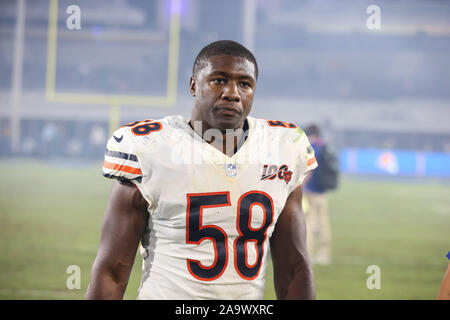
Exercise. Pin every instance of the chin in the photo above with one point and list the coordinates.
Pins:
(228, 123)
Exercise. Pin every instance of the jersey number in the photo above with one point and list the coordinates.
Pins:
(196, 232)
(143, 128)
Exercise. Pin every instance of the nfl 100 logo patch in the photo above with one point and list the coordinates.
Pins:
(231, 170)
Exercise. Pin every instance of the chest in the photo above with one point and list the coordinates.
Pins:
(185, 175)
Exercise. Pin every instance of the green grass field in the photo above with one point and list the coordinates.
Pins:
(50, 218)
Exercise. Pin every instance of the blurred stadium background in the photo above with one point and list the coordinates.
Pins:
(381, 96)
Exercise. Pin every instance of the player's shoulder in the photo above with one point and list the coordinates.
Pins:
(141, 128)
(279, 128)
(134, 136)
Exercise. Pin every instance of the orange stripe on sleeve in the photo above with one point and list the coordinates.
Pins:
(120, 167)
(311, 161)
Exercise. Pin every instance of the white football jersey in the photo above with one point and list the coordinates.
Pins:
(210, 215)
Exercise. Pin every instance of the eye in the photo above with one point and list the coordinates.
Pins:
(218, 80)
(246, 84)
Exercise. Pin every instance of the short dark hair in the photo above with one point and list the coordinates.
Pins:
(223, 47)
(312, 129)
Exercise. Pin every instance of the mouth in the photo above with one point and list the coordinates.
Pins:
(229, 109)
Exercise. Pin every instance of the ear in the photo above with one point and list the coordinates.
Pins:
(192, 86)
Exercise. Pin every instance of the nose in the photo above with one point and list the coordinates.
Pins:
(230, 92)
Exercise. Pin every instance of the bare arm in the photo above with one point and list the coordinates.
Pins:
(307, 178)
(293, 276)
(444, 291)
(123, 224)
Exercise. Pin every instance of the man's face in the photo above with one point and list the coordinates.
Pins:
(223, 91)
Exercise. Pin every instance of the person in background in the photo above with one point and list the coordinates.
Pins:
(322, 180)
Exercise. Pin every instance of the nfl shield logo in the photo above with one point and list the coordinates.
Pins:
(231, 170)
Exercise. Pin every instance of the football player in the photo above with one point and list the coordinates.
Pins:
(207, 196)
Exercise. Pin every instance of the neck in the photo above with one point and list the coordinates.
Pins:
(227, 141)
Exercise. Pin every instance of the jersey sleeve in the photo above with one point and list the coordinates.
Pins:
(306, 159)
(121, 161)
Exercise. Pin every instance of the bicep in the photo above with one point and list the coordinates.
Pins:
(124, 222)
(288, 242)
